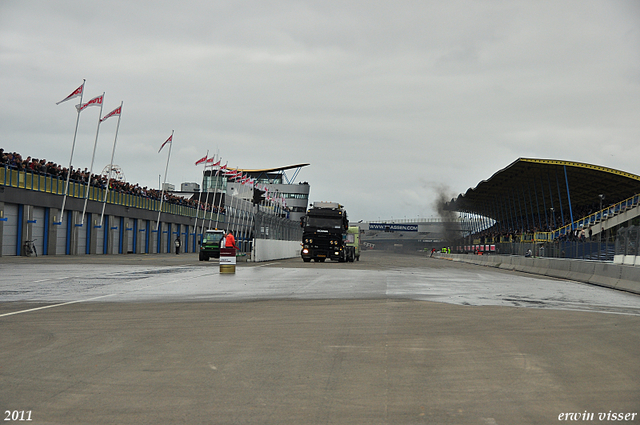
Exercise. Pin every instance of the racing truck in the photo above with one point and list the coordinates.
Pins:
(324, 232)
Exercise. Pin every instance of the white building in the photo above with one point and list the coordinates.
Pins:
(190, 187)
(278, 183)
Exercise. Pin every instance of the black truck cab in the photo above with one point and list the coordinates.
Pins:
(324, 229)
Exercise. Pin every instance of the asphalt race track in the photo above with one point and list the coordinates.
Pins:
(392, 339)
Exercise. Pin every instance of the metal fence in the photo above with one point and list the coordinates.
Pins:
(628, 241)
(249, 222)
(603, 251)
(270, 226)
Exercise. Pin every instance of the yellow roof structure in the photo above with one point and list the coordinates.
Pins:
(529, 187)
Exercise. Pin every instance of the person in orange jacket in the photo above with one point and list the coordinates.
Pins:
(230, 241)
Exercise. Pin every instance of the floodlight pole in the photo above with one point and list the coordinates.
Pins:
(601, 196)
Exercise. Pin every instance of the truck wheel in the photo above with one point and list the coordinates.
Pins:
(306, 260)
(200, 256)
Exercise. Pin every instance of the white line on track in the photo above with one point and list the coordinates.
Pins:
(268, 263)
(56, 305)
(96, 298)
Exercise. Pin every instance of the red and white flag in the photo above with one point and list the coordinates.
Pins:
(213, 165)
(96, 101)
(77, 92)
(113, 113)
(201, 160)
(169, 140)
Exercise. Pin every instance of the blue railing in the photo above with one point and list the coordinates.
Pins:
(599, 216)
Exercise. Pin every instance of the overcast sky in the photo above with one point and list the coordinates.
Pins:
(387, 100)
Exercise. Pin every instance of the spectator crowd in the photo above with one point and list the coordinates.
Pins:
(43, 167)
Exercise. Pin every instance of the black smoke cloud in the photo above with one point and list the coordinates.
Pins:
(450, 223)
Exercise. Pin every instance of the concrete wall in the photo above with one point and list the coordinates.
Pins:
(617, 276)
(269, 249)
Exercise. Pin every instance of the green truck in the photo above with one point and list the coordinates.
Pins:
(210, 244)
(352, 241)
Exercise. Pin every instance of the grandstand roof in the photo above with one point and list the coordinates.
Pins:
(273, 170)
(529, 186)
(267, 172)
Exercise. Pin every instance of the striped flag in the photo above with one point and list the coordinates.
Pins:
(113, 113)
(201, 160)
(77, 92)
(96, 101)
(167, 141)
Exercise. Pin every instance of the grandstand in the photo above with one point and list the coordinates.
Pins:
(552, 207)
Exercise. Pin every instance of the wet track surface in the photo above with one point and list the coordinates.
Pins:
(377, 276)
(391, 339)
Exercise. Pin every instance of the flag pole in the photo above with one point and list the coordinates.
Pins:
(213, 202)
(220, 197)
(93, 156)
(228, 208)
(233, 210)
(246, 215)
(113, 151)
(73, 145)
(166, 169)
(195, 226)
(241, 193)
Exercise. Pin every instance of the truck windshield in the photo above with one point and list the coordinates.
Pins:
(324, 222)
(212, 237)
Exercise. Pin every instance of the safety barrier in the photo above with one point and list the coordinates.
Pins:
(271, 249)
(622, 277)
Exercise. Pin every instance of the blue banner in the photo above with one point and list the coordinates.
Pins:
(392, 227)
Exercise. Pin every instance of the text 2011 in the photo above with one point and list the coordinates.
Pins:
(17, 415)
